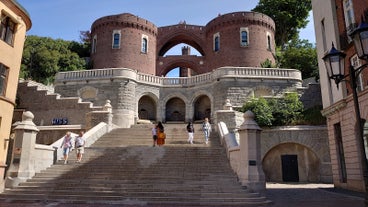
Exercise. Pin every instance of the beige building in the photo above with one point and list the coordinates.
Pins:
(15, 21)
(333, 21)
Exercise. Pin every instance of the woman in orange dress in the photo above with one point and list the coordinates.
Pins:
(160, 134)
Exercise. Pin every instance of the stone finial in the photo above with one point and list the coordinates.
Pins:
(27, 122)
(228, 105)
(107, 107)
(249, 122)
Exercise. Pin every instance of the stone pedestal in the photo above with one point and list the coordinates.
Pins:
(22, 165)
(251, 173)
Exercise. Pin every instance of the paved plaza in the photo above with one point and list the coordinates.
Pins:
(312, 195)
(282, 195)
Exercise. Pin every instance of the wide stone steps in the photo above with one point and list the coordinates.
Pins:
(123, 168)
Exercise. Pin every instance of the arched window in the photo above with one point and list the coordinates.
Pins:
(216, 42)
(244, 36)
(116, 39)
(268, 42)
(94, 44)
(144, 44)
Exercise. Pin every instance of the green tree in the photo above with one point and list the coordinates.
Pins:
(261, 110)
(276, 111)
(289, 15)
(301, 55)
(43, 57)
(268, 64)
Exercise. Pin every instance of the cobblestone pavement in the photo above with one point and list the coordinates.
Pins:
(282, 195)
(312, 195)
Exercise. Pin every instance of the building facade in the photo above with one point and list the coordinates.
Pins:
(333, 20)
(128, 56)
(15, 21)
(240, 39)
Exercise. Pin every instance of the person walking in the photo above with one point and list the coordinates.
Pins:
(206, 126)
(190, 129)
(79, 145)
(66, 145)
(160, 134)
(154, 135)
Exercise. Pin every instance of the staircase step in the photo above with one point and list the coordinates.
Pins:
(122, 167)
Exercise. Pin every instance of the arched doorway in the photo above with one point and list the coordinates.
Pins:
(202, 108)
(146, 108)
(291, 162)
(175, 110)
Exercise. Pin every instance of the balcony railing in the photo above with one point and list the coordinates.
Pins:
(223, 72)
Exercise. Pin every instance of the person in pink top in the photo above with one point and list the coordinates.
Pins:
(67, 145)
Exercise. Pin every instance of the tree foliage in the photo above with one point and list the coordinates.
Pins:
(43, 57)
(289, 16)
(261, 109)
(276, 111)
(301, 55)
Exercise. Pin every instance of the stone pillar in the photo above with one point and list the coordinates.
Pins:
(124, 112)
(250, 167)
(22, 165)
(107, 107)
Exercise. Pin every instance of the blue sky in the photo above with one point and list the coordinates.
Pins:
(66, 18)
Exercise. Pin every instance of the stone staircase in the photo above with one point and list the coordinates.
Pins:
(123, 168)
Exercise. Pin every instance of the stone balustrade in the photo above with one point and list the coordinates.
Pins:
(223, 72)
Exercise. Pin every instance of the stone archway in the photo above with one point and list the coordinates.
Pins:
(175, 110)
(308, 164)
(202, 108)
(147, 108)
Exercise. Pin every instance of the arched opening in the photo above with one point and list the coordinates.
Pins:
(202, 108)
(179, 50)
(288, 161)
(147, 108)
(175, 110)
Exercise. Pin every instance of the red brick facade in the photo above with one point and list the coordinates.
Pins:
(259, 47)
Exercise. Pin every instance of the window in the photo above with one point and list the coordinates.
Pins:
(355, 62)
(7, 29)
(323, 30)
(340, 153)
(349, 16)
(269, 45)
(116, 39)
(94, 44)
(216, 42)
(144, 44)
(3, 79)
(244, 39)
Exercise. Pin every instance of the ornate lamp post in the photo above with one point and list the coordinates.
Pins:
(335, 64)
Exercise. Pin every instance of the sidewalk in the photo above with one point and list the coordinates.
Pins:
(282, 195)
(312, 195)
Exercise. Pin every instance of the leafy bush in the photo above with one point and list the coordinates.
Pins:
(262, 111)
(287, 110)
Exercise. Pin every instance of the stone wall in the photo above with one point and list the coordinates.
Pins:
(238, 84)
(308, 143)
(48, 106)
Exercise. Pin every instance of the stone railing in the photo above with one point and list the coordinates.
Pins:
(223, 72)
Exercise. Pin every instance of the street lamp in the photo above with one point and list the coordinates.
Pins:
(335, 65)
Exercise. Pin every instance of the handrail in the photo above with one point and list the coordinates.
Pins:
(223, 72)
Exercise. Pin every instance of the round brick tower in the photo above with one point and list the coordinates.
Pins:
(244, 39)
(124, 41)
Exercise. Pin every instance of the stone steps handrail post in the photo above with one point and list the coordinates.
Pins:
(22, 166)
(251, 173)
